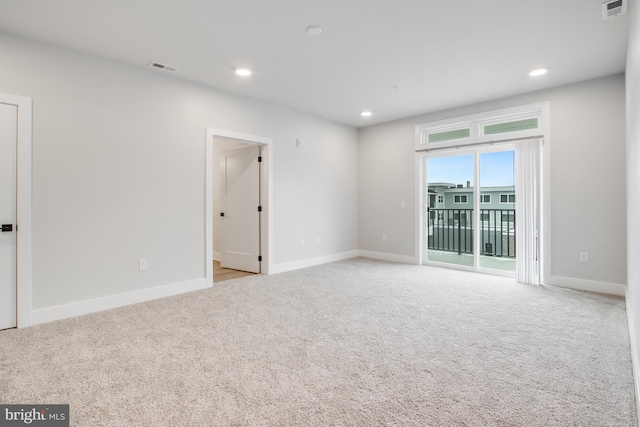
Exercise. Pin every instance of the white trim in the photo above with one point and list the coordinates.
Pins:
(267, 170)
(421, 206)
(635, 360)
(403, 259)
(588, 285)
(311, 262)
(80, 308)
(23, 206)
(217, 255)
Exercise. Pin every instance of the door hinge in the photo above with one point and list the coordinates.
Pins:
(259, 208)
(259, 258)
(259, 159)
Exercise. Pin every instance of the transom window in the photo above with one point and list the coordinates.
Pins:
(511, 123)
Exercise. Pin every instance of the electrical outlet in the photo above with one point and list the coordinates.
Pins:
(584, 256)
(403, 204)
(142, 264)
(302, 243)
(384, 237)
(319, 240)
(315, 241)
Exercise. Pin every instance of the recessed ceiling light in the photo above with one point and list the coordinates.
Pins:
(538, 72)
(366, 114)
(244, 72)
(314, 30)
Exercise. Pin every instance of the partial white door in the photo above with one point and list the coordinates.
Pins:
(240, 215)
(8, 146)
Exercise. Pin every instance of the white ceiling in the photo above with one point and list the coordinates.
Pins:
(396, 58)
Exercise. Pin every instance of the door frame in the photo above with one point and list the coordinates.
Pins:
(266, 186)
(23, 205)
(475, 122)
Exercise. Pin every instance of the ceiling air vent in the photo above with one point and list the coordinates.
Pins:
(163, 67)
(613, 8)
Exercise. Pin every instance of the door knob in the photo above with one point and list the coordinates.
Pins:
(221, 213)
(7, 228)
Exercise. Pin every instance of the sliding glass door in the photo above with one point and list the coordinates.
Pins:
(471, 209)
(450, 189)
(497, 225)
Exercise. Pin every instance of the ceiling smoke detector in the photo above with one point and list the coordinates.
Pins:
(163, 67)
(613, 8)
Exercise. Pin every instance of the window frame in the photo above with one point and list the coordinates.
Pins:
(509, 197)
(466, 199)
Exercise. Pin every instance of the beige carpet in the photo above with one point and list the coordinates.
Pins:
(353, 343)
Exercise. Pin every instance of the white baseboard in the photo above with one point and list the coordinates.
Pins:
(217, 255)
(634, 354)
(79, 308)
(310, 262)
(588, 285)
(389, 257)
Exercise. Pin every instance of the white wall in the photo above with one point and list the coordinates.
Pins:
(588, 198)
(633, 184)
(119, 173)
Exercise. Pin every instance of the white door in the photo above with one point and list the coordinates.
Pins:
(8, 145)
(240, 216)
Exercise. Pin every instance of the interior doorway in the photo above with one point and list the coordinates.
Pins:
(238, 178)
(8, 147)
(15, 210)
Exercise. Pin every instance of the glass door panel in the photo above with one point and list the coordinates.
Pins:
(450, 217)
(497, 220)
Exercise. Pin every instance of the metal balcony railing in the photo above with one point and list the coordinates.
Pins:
(452, 230)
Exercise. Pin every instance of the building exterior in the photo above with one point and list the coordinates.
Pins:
(451, 218)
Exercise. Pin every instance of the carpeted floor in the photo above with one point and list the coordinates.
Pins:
(353, 343)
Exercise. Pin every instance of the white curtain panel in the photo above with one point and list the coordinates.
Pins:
(527, 210)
